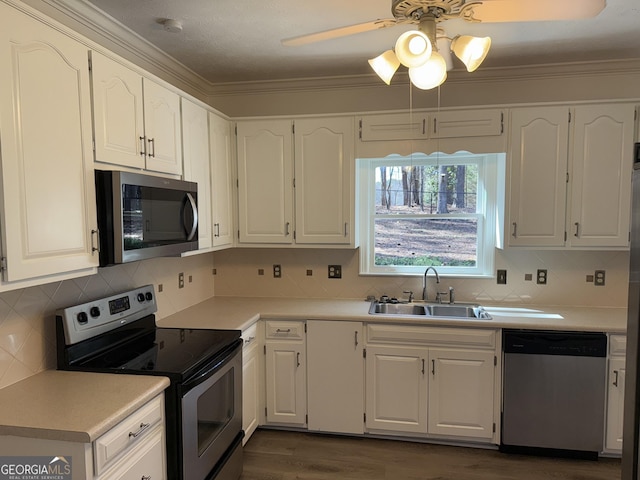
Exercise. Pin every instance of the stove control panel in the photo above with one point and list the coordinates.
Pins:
(87, 320)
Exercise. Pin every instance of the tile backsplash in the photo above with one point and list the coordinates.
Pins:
(27, 323)
(304, 273)
(27, 326)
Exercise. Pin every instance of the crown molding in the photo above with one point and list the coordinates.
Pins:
(107, 32)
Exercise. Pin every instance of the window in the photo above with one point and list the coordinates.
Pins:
(436, 210)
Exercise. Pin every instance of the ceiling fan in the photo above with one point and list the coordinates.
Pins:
(418, 50)
(486, 11)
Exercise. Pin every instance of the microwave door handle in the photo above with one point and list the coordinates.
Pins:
(191, 228)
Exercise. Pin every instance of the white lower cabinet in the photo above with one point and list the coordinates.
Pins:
(461, 396)
(397, 385)
(250, 382)
(615, 394)
(335, 376)
(417, 386)
(285, 365)
(133, 449)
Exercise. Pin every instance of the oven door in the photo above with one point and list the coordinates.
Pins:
(211, 415)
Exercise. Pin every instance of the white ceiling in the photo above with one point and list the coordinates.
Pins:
(236, 41)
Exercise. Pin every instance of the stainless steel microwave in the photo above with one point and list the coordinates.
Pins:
(142, 216)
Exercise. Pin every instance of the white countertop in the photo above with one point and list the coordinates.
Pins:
(239, 312)
(73, 406)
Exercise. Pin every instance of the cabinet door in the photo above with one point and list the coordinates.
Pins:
(117, 113)
(323, 175)
(250, 388)
(470, 123)
(615, 404)
(602, 164)
(265, 182)
(286, 382)
(221, 180)
(461, 393)
(162, 128)
(396, 391)
(147, 460)
(195, 134)
(394, 126)
(47, 167)
(335, 376)
(538, 161)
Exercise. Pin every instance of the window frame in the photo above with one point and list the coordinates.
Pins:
(490, 170)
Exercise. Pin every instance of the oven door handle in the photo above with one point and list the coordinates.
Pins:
(210, 368)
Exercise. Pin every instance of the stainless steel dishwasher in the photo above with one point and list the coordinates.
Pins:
(553, 392)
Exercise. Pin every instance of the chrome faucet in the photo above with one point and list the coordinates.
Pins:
(424, 281)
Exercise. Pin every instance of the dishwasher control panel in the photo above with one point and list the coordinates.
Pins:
(583, 344)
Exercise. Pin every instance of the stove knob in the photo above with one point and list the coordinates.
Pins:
(95, 312)
(149, 296)
(141, 297)
(82, 318)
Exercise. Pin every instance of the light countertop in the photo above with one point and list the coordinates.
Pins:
(239, 312)
(73, 406)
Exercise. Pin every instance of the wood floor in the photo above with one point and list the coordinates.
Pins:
(275, 455)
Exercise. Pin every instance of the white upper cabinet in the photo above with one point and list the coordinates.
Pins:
(48, 193)
(320, 158)
(468, 123)
(570, 176)
(137, 122)
(538, 164)
(324, 168)
(394, 126)
(600, 178)
(162, 128)
(195, 131)
(220, 142)
(265, 181)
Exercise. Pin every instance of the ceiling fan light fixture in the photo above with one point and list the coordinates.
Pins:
(431, 74)
(471, 50)
(385, 65)
(413, 48)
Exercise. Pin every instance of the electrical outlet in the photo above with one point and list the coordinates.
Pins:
(335, 271)
(277, 271)
(541, 277)
(309, 273)
(501, 277)
(181, 280)
(598, 278)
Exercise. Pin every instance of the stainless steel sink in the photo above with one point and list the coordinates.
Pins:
(397, 308)
(439, 310)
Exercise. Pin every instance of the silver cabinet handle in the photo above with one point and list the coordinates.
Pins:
(577, 234)
(282, 330)
(423, 366)
(216, 229)
(145, 477)
(93, 245)
(143, 427)
(346, 229)
(248, 340)
(514, 234)
(286, 229)
(298, 359)
(356, 338)
(152, 147)
(433, 367)
(143, 151)
(615, 382)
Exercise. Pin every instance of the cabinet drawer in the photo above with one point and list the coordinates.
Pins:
(416, 335)
(146, 461)
(127, 433)
(284, 330)
(250, 336)
(617, 344)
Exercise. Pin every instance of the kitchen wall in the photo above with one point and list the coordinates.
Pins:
(27, 323)
(237, 274)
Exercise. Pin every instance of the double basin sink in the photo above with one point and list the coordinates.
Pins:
(433, 310)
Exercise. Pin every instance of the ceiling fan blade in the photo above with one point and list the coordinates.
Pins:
(340, 32)
(536, 10)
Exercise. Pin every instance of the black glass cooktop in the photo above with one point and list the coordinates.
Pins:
(174, 352)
